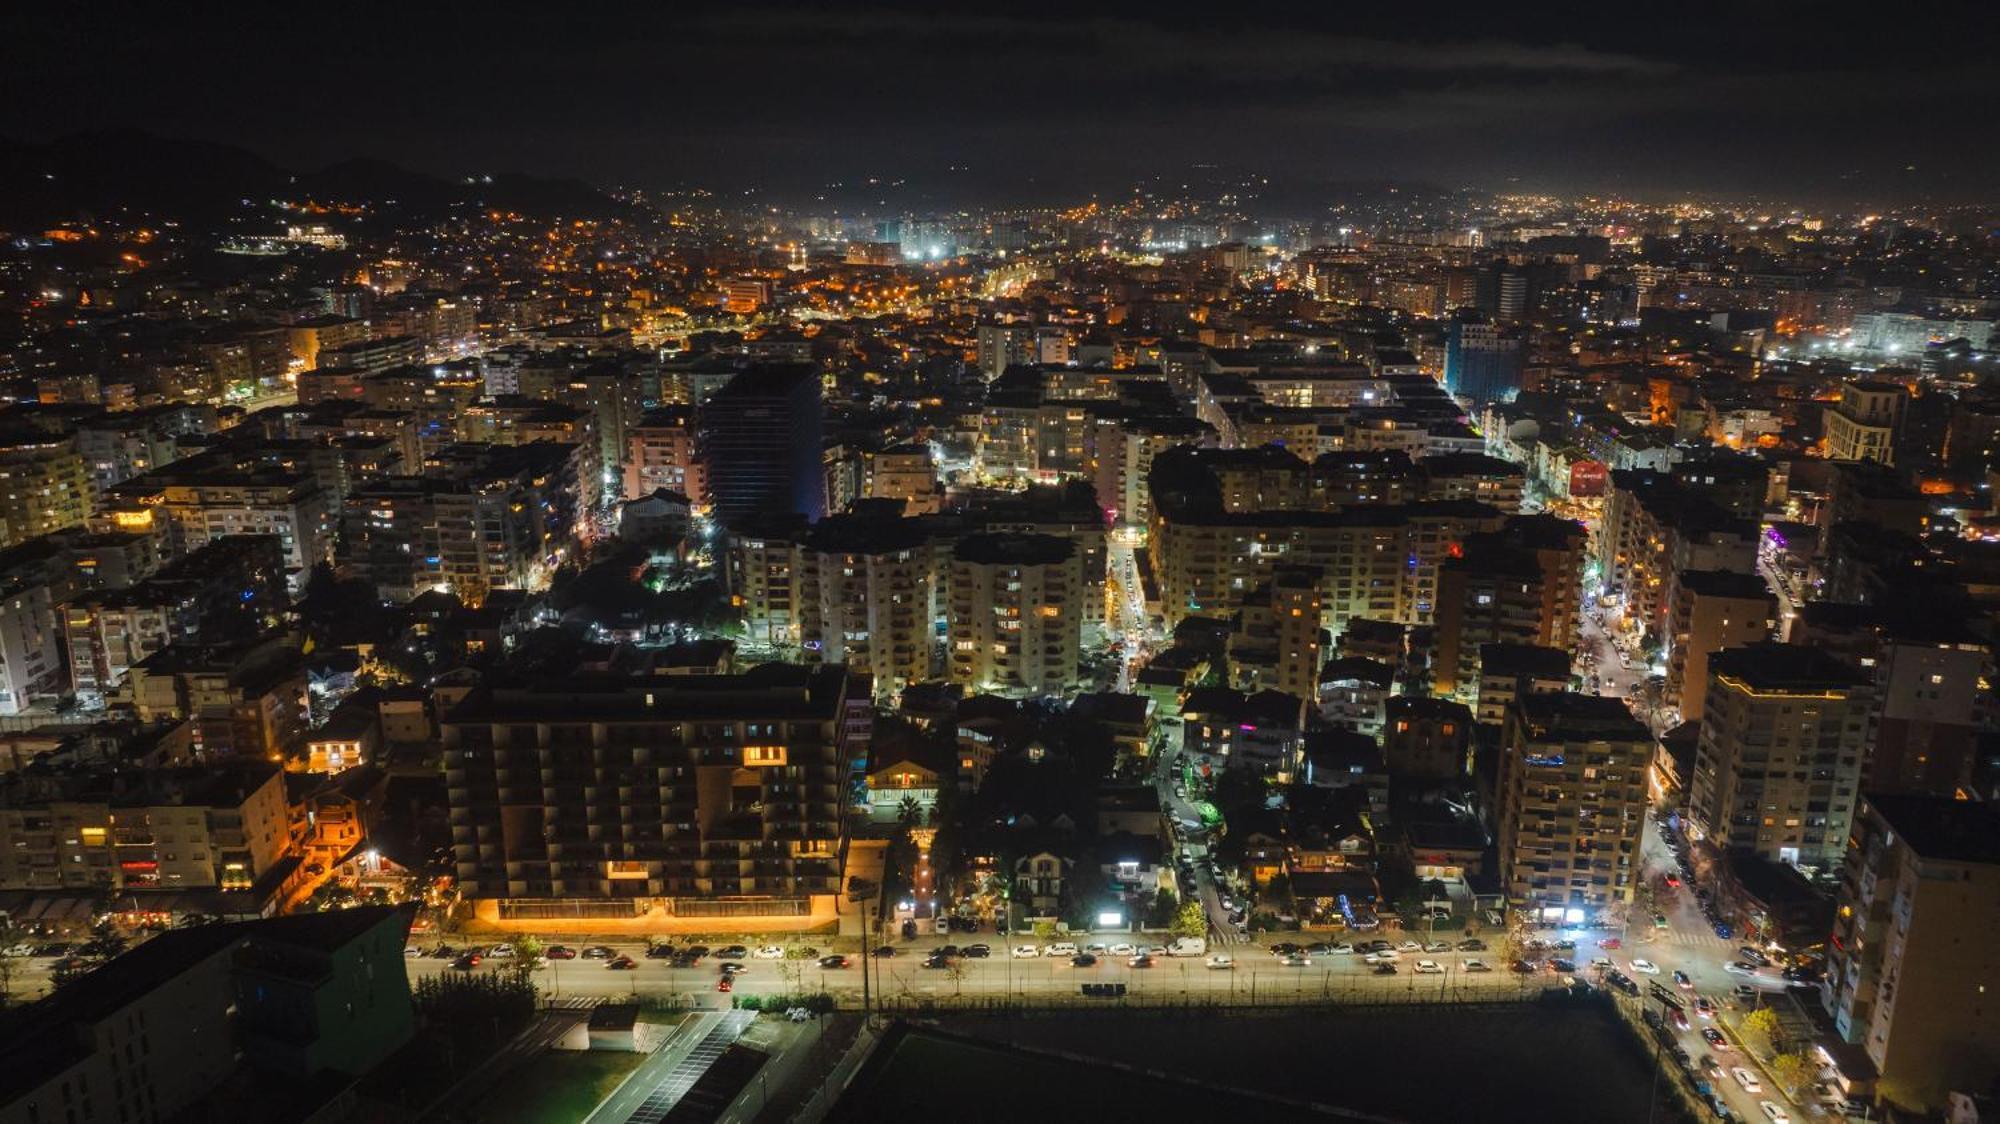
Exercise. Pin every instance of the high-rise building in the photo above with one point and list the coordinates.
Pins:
(44, 486)
(1783, 736)
(1519, 585)
(1279, 642)
(661, 452)
(761, 442)
(1015, 613)
(1863, 426)
(1911, 962)
(728, 794)
(1001, 346)
(1573, 776)
(1712, 610)
(1483, 361)
(905, 472)
(867, 598)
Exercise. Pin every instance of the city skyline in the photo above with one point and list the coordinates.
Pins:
(792, 106)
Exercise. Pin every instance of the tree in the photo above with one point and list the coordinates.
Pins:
(1045, 930)
(1161, 913)
(527, 957)
(1191, 920)
(67, 971)
(1792, 1070)
(1758, 1031)
(793, 966)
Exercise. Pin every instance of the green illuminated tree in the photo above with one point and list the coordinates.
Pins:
(1792, 1071)
(1190, 921)
(1758, 1031)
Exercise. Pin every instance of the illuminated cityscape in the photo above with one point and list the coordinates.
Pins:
(626, 571)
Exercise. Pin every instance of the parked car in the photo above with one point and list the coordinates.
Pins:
(884, 951)
(564, 952)
(1061, 948)
(1026, 952)
(731, 952)
(768, 952)
(501, 952)
(976, 951)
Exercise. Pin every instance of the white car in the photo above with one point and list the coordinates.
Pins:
(1340, 946)
(769, 952)
(1778, 1115)
(20, 950)
(1747, 1079)
(1386, 956)
(1122, 948)
(1476, 966)
(1060, 948)
(1429, 968)
(500, 952)
(1097, 948)
(1219, 961)
(1026, 952)
(1645, 967)
(1410, 946)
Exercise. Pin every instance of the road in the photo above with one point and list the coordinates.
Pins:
(1126, 618)
(1256, 973)
(1690, 945)
(1781, 585)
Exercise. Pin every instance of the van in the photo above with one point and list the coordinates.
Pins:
(1187, 946)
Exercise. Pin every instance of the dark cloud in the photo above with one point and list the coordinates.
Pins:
(1751, 96)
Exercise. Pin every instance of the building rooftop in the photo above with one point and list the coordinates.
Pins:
(1777, 668)
(1938, 827)
(1725, 583)
(1569, 716)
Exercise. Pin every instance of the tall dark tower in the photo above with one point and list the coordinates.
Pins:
(760, 437)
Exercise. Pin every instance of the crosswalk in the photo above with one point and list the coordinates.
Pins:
(1682, 938)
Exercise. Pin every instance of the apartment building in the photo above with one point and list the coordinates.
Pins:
(1573, 777)
(1015, 613)
(717, 796)
(1779, 764)
(1911, 962)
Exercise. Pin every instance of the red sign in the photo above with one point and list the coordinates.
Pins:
(1588, 478)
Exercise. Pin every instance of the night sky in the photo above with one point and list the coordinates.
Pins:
(1001, 103)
